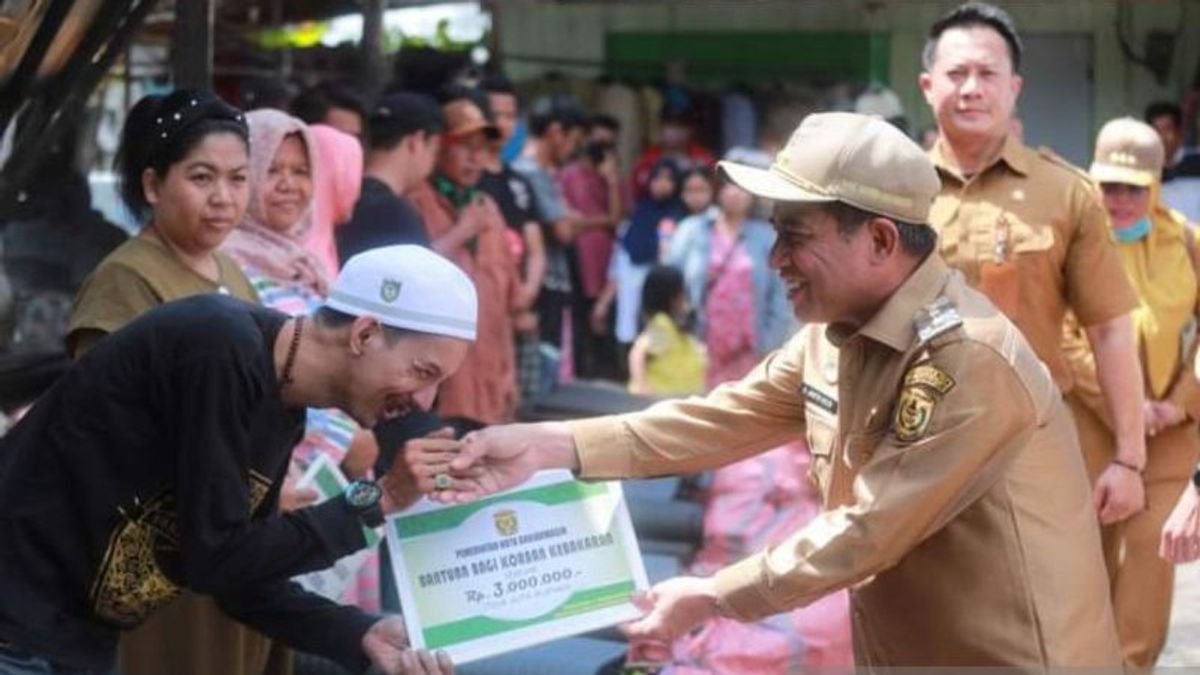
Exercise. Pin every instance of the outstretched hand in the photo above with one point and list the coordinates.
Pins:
(672, 609)
(386, 645)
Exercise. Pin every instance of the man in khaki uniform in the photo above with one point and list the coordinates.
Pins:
(1026, 229)
(956, 505)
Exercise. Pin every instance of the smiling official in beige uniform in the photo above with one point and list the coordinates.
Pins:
(956, 505)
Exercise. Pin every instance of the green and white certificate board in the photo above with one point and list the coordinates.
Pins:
(551, 558)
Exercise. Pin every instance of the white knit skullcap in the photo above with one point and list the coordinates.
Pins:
(408, 287)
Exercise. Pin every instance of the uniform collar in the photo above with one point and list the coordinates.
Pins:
(1015, 155)
(892, 325)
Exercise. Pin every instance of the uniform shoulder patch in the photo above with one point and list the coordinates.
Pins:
(914, 410)
(930, 377)
(938, 317)
(923, 387)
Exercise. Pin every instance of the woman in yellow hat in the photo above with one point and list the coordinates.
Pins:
(1157, 250)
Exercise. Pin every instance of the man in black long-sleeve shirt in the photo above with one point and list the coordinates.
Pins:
(155, 464)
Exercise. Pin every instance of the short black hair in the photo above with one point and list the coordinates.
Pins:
(327, 317)
(1160, 108)
(312, 105)
(561, 110)
(603, 121)
(680, 115)
(663, 285)
(455, 91)
(401, 114)
(973, 15)
(917, 239)
(497, 83)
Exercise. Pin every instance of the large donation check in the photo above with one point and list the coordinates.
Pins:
(550, 558)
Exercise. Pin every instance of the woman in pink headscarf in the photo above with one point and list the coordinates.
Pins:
(269, 246)
(270, 239)
(335, 190)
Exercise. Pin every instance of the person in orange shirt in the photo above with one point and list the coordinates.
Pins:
(466, 226)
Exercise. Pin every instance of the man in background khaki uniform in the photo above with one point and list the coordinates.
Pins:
(1026, 229)
(955, 500)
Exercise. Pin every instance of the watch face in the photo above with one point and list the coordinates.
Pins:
(363, 493)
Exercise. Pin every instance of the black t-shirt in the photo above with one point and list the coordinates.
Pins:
(381, 218)
(155, 463)
(513, 194)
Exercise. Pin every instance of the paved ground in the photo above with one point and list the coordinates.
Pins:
(1183, 644)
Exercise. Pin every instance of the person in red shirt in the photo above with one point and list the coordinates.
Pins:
(675, 144)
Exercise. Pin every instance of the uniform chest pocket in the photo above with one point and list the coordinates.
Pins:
(1003, 236)
(1026, 237)
(820, 437)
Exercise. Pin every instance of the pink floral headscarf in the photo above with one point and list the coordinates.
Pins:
(280, 256)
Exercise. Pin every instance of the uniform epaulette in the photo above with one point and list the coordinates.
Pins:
(937, 318)
(1054, 158)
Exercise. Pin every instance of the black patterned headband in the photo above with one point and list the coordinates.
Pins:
(183, 109)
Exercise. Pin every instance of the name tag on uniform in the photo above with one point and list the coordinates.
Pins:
(819, 398)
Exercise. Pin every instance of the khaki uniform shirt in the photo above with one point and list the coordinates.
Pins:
(1030, 232)
(955, 501)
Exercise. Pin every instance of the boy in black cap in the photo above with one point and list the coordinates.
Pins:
(405, 134)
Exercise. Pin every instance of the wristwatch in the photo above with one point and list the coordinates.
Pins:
(362, 497)
(1196, 479)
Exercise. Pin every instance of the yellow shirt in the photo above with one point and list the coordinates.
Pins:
(1162, 272)
(675, 364)
(956, 505)
(1160, 268)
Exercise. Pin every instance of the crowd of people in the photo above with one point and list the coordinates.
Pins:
(844, 377)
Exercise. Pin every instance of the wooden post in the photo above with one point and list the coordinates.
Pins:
(192, 48)
(372, 46)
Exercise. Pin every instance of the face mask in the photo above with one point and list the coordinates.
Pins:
(1138, 230)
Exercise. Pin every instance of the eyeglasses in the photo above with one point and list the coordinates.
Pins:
(1120, 189)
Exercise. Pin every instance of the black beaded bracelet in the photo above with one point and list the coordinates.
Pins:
(1126, 465)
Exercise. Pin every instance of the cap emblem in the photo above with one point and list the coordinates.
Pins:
(1122, 158)
(389, 290)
